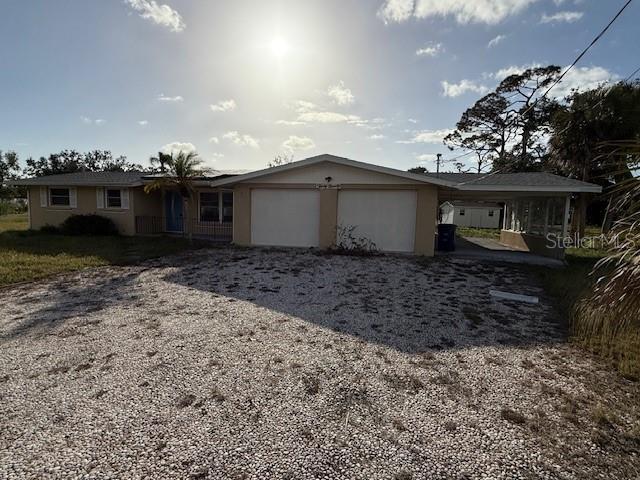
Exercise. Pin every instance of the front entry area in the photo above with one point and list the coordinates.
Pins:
(174, 219)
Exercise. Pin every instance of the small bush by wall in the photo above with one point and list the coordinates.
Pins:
(88, 225)
(50, 229)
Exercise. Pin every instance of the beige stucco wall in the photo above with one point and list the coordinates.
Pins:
(426, 211)
(242, 215)
(340, 175)
(426, 218)
(86, 204)
(328, 217)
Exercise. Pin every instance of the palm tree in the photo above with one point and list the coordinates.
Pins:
(608, 319)
(162, 161)
(181, 171)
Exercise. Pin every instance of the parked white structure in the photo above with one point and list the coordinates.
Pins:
(471, 214)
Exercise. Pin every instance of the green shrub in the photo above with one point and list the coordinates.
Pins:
(50, 229)
(88, 225)
(8, 207)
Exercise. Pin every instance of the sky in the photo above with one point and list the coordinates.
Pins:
(241, 81)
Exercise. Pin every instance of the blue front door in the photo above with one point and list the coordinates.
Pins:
(173, 211)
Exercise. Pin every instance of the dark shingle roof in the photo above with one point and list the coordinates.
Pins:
(130, 179)
(85, 178)
(523, 179)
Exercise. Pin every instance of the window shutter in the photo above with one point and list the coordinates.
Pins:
(124, 198)
(99, 197)
(73, 198)
(43, 196)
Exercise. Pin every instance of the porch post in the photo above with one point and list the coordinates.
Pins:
(528, 227)
(546, 217)
(565, 220)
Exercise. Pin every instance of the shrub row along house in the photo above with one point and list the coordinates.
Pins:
(303, 204)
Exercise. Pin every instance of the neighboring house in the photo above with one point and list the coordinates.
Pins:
(471, 214)
(303, 203)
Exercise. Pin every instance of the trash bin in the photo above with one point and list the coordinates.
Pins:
(446, 237)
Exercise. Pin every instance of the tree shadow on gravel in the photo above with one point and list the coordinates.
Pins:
(409, 304)
(71, 297)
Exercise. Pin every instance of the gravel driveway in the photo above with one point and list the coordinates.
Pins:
(248, 364)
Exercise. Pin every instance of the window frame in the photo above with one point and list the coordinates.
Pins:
(220, 206)
(51, 196)
(461, 212)
(217, 206)
(106, 198)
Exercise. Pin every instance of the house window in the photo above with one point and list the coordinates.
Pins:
(59, 197)
(491, 213)
(114, 198)
(462, 212)
(209, 207)
(227, 206)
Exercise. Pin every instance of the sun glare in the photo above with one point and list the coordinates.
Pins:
(279, 47)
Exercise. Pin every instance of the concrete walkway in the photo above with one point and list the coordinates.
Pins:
(491, 250)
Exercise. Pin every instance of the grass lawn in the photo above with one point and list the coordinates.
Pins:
(28, 255)
(17, 221)
(478, 232)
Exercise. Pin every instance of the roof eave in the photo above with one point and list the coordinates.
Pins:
(32, 183)
(521, 188)
(337, 160)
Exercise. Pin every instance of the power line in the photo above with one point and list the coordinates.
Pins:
(584, 52)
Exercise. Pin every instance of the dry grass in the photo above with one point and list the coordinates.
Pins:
(30, 255)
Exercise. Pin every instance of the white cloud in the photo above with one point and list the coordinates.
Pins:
(143, 123)
(308, 112)
(464, 86)
(289, 123)
(430, 50)
(242, 140)
(464, 11)
(91, 121)
(396, 10)
(377, 136)
(215, 140)
(224, 106)
(496, 40)
(428, 136)
(301, 106)
(426, 158)
(294, 143)
(159, 14)
(340, 94)
(328, 117)
(174, 148)
(581, 79)
(164, 98)
(559, 17)
(512, 70)
(412, 120)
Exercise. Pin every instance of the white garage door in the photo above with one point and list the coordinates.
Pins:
(387, 217)
(287, 218)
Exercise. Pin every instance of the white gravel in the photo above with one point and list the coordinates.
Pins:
(252, 364)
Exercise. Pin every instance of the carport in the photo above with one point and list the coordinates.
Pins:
(537, 205)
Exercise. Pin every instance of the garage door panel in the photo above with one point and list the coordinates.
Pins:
(285, 217)
(386, 217)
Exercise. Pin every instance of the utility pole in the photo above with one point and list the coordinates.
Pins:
(438, 156)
